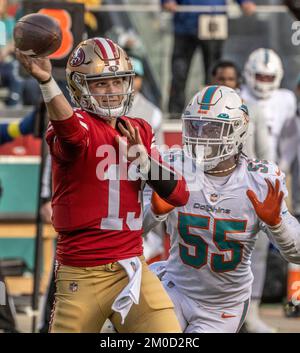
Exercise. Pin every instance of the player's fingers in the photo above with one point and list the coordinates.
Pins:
(130, 128)
(138, 138)
(124, 131)
(277, 186)
(17, 53)
(121, 141)
(21, 57)
(27, 62)
(253, 198)
(270, 188)
(280, 197)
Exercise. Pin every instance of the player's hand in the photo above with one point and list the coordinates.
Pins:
(170, 6)
(131, 145)
(268, 210)
(160, 206)
(39, 68)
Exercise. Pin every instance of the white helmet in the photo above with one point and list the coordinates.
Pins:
(263, 72)
(215, 121)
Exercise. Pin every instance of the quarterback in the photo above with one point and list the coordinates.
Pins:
(96, 212)
(208, 274)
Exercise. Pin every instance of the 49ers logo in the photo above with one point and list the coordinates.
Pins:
(77, 57)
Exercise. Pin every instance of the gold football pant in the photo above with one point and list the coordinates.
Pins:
(84, 296)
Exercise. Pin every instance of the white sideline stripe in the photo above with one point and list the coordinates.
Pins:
(20, 159)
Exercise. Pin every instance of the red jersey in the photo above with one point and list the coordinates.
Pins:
(97, 216)
(98, 221)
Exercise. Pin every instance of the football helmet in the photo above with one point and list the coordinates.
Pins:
(263, 72)
(99, 59)
(215, 124)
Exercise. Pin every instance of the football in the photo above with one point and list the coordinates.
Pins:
(37, 35)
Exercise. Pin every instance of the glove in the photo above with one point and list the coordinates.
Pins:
(268, 210)
(159, 206)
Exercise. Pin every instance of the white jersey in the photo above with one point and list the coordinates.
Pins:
(213, 235)
(277, 109)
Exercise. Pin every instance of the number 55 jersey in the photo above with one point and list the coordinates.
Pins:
(213, 235)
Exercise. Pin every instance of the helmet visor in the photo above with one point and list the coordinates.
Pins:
(205, 129)
(211, 138)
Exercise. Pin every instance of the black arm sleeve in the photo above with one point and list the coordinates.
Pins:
(161, 179)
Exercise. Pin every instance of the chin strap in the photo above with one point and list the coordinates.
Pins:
(221, 171)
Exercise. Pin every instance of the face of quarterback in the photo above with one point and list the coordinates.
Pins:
(108, 92)
(226, 76)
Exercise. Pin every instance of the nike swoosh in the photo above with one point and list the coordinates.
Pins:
(226, 316)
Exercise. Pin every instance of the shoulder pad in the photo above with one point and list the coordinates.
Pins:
(262, 169)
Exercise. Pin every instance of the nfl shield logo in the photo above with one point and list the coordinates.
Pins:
(214, 197)
(73, 287)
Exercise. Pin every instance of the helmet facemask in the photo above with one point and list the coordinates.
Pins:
(106, 105)
(210, 141)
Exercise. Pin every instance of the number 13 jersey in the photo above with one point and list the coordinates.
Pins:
(98, 217)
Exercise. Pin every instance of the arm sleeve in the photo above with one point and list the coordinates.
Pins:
(170, 185)
(68, 138)
(286, 237)
(162, 178)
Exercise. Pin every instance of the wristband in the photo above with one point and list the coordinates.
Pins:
(44, 82)
(50, 90)
(274, 227)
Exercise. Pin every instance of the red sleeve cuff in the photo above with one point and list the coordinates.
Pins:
(180, 195)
